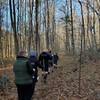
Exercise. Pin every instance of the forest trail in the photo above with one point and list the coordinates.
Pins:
(62, 83)
(58, 86)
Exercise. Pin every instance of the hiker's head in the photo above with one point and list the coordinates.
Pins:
(45, 50)
(22, 53)
(33, 53)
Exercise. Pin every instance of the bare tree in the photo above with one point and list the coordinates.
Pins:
(82, 43)
(1, 30)
(48, 25)
(30, 23)
(88, 22)
(13, 23)
(66, 20)
(72, 35)
(36, 31)
(83, 26)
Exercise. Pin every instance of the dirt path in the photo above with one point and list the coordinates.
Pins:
(58, 86)
(62, 83)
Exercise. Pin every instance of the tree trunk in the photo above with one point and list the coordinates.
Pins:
(48, 26)
(72, 34)
(94, 29)
(13, 23)
(37, 38)
(83, 27)
(88, 21)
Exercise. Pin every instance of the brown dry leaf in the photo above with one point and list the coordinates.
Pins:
(74, 98)
(62, 98)
(63, 79)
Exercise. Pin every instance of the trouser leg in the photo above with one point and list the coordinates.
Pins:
(25, 92)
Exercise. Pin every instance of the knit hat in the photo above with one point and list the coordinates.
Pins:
(33, 53)
(22, 53)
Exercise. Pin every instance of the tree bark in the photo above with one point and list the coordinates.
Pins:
(48, 25)
(83, 26)
(37, 38)
(72, 34)
(13, 23)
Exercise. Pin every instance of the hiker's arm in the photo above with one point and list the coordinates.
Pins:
(29, 68)
(57, 57)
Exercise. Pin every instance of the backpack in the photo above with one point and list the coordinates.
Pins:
(44, 60)
(32, 67)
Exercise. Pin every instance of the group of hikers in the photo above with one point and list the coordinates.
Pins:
(26, 70)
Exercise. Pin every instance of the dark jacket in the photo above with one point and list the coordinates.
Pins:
(55, 58)
(44, 60)
(20, 70)
(33, 64)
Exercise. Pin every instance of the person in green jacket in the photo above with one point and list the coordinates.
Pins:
(23, 80)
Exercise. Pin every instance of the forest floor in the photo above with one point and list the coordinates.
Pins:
(62, 83)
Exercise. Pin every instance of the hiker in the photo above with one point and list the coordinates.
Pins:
(50, 61)
(55, 60)
(23, 79)
(33, 63)
(51, 58)
(44, 58)
(33, 66)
